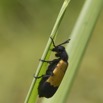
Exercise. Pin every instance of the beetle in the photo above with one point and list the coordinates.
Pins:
(55, 71)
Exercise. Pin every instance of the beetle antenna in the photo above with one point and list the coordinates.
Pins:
(67, 41)
(52, 41)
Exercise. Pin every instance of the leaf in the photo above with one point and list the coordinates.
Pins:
(80, 37)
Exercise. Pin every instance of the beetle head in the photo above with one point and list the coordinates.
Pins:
(58, 49)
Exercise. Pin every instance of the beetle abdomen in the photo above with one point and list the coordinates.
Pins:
(47, 90)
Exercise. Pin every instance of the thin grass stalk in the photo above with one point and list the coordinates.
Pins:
(32, 93)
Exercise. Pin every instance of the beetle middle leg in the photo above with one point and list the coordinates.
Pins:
(52, 61)
(37, 77)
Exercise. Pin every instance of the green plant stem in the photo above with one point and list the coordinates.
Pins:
(32, 94)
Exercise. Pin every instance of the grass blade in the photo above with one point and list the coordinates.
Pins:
(79, 40)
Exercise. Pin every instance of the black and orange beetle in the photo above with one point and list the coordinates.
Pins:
(55, 72)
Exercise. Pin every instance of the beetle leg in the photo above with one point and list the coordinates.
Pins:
(45, 61)
(48, 75)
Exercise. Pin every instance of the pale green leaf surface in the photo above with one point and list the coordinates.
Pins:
(79, 40)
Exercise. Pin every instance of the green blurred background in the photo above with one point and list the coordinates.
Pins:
(25, 26)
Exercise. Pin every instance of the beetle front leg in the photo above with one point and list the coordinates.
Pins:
(45, 61)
